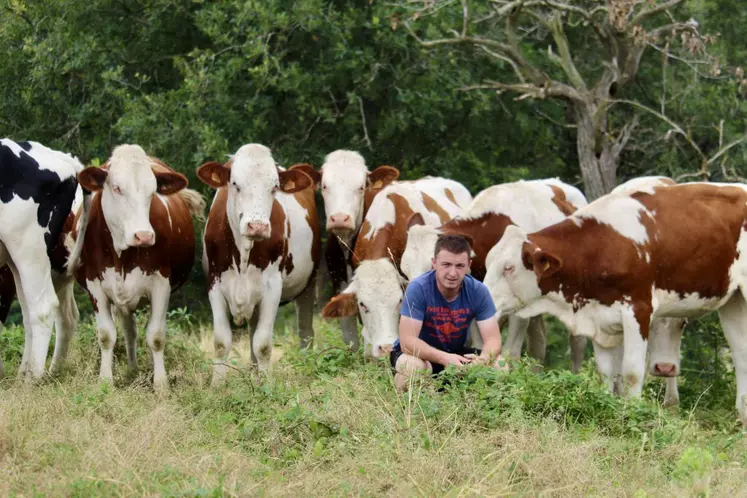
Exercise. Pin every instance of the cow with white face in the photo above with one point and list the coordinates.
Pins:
(348, 188)
(140, 243)
(376, 287)
(532, 205)
(671, 251)
(261, 248)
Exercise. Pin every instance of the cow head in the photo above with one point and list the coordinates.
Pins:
(421, 242)
(515, 268)
(375, 292)
(127, 183)
(252, 179)
(664, 340)
(345, 184)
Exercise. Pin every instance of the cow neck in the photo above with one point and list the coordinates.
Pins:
(485, 230)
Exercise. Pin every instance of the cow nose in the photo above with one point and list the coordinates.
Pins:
(382, 350)
(339, 220)
(665, 369)
(144, 238)
(258, 230)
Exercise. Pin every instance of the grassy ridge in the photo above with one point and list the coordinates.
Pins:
(328, 422)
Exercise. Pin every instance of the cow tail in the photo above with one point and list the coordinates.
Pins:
(72, 260)
(195, 202)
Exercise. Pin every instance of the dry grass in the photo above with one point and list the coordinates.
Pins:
(321, 424)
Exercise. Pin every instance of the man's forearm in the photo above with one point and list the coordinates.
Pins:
(491, 348)
(419, 348)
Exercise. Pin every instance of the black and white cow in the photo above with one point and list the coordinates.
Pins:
(38, 188)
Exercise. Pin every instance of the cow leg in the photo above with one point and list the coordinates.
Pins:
(262, 338)
(23, 368)
(305, 315)
(578, 346)
(609, 361)
(156, 331)
(221, 334)
(671, 394)
(475, 338)
(537, 339)
(733, 317)
(129, 324)
(32, 271)
(517, 328)
(106, 332)
(349, 326)
(634, 352)
(66, 324)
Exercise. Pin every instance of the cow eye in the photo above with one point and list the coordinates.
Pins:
(238, 189)
(363, 307)
(117, 190)
(362, 189)
(275, 189)
(324, 186)
(508, 269)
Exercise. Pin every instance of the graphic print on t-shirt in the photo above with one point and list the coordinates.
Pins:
(447, 326)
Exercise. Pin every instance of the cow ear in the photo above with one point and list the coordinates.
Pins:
(294, 180)
(92, 178)
(545, 264)
(170, 182)
(342, 305)
(315, 176)
(415, 219)
(381, 177)
(214, 174)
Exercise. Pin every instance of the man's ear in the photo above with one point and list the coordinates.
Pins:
(92, 178)
(381, 177)
(545, 264)
(342, 305)
(294, 180)
(315, 176)
(214, 174)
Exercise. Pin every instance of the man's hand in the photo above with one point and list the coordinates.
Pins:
(455, 359)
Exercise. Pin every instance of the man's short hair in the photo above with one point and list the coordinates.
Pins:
(455, 244)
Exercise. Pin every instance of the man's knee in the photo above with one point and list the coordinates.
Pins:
(405, 366)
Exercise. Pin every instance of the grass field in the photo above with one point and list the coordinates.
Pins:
(327, 422)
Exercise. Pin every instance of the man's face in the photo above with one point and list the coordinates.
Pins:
(450, 268)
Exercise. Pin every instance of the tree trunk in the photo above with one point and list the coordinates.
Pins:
(598, 169)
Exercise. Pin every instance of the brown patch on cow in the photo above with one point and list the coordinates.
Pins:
(434, 207)
(172, 255)
(7, 291)
(450, 196)
(485, 232)
(390, 240)
(692, 242)
(561, 202)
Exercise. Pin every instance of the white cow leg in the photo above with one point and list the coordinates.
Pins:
(349, 326)
(578, 346)
(671, 394)
(221, 334)
(23, 367)
(608, 361)
(106, 333)
(129, 324)
(305, 315)
(517, 328)
(262, 339)
(66, 324)
(474, 335)
(634, 355)
(733, 317)
(156, 332)
(537, 339)
(2, 365)
(30, 267)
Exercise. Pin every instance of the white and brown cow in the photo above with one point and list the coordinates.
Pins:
(669, 251)
(261, 248)
(348, 189)
(140, 244)
(376, 287)
(532, 205)
(38, 189)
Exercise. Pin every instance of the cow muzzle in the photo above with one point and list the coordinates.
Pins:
(664, 370)
(143, 238)
(257, 231)
(379, 350)
(339, 223)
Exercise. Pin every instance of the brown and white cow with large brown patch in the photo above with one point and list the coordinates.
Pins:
(532, 205)
(140, 243)
(376, 287)
(261, 248)
(668, 251)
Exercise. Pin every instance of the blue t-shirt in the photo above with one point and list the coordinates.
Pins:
(446, 324)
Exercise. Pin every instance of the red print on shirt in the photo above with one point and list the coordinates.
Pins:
(447, 323)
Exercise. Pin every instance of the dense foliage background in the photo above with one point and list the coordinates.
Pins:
(191, 81)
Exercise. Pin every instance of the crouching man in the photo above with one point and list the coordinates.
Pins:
(437, 310)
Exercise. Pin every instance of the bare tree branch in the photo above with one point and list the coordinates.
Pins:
(625, 134)
(565, 60)
(690, 64)
(646, 13)
(527, 90)
(586, 14)
(498, 56)
(365, 129)
(465, 20)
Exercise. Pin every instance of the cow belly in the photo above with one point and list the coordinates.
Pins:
(299, 251)
(672, 304)
(123, 291)
(243, 290)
